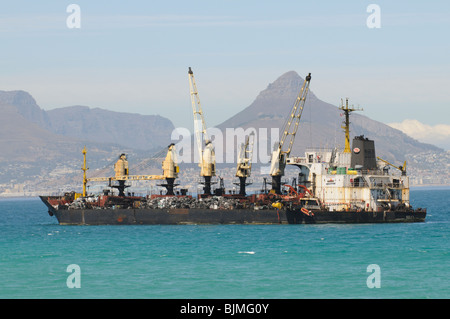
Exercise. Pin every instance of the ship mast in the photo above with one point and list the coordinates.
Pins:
(346, 125)
(84, 169)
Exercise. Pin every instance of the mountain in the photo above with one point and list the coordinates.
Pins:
(136, 131)
(26, 106)
(41, 150)
(25, 141)
(320, 125)
(38, 144)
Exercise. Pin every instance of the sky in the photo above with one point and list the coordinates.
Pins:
(133, 56)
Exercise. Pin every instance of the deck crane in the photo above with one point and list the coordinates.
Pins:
(121, 170)
(244, 163)
(282, 151)
(207, 158)
(400, 168)
(170, 169)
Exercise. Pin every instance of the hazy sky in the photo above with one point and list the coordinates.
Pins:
(134, 55)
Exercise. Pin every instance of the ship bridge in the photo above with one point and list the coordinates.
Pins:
(315, 162)
(343, 181)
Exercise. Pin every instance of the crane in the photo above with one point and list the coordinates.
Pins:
(244, 163)
(282, 151)
(121, 170)
(170, 169)
(401, 168)
(207, 158)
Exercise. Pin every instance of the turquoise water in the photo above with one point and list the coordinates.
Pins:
(224, 261)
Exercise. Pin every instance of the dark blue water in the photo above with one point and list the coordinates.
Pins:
(224, 261)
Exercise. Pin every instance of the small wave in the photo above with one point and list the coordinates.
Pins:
(246, 252)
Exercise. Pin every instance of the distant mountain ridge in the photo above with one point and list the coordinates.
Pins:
(141, 132)
(135, 131)
(43, 148)
(26, 106)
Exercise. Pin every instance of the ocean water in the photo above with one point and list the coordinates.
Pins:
(225, 261)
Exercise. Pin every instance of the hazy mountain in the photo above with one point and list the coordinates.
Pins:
(320, 125)
(143, 132)
(23, 140)
(41, 148)
(35, 142)
(136, 131)
(25, 105)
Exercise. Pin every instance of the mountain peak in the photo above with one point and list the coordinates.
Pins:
(289, 75)
(320, 124)
(285, 86)
(16, 98)
(25, 105)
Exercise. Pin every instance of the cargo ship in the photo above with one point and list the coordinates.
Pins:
(330, 189)
(333, 186)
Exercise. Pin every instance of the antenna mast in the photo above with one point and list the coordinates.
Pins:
(346, 125)
(84, 169)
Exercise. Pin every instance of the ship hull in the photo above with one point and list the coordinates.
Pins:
(168, 217)
(242, 216)
(357, 217)
(184, 216)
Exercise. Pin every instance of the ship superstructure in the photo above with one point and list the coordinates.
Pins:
(354, 178)
(347, 182)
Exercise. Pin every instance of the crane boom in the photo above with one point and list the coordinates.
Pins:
(199, 120)
(290, 127)
(169, 166)
(400, 168)
(127, 178)
(207, 158)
